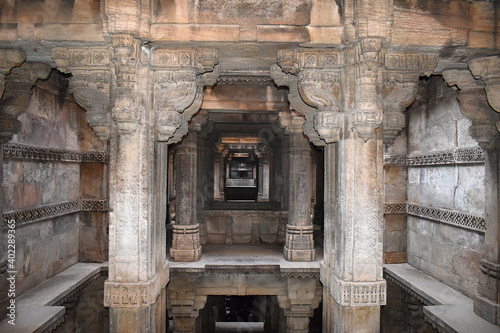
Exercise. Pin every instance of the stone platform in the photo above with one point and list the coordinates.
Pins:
(447, 310)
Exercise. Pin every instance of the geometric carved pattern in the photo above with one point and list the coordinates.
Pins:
(457, 156)
(20, 151)
(51, 211)
(349, 293)
(395, 208)
(250, 78)
(464, 220)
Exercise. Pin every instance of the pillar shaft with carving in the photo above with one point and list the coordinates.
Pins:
(299, 244)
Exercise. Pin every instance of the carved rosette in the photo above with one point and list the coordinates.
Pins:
(313, 76)
(401, 74)
(16, 96)
(179, 77)
(90, 83)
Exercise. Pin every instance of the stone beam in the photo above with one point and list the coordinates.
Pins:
(17, 94)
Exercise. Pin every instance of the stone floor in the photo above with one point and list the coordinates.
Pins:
(266, 254)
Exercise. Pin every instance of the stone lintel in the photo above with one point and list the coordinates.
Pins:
(135, 294)
(353, 293)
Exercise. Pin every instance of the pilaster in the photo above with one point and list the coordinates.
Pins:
(184, 304)
(473, 104)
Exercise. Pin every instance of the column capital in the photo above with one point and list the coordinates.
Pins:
(474, 106)
(90, 82)
(17, 95)
(179, 77)
(488, 70)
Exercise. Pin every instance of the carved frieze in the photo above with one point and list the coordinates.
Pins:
(457, 156)
(50, 211)
(21, 151)
(90, 83)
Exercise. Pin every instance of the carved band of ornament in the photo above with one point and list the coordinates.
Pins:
(395, 208)
(25, 216)
(293, 60)
(68, 59)
(20, 151)
(458, 156)
(354, 294)
(233, 79)
(204, 59)
(467, 221)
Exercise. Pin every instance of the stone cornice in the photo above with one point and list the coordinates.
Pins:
(22, 151)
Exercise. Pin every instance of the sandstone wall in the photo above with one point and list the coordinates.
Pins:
(43, 192)
(447, 251)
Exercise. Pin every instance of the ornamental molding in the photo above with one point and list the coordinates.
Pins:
(450, 217)
(135, 294)
(353, 293)
(395, 207)
(26, 216)
(475, 155)
(491, 270)
(227, 78)
(26, 152)
(74, 293)
(394, 279)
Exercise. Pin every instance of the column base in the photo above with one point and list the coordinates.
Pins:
(186, 243)
(299, 243)
(487, 304)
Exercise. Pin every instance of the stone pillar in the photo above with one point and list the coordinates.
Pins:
(299, 244)
(473, 104)
(183, 304)
(304, 295)
(186, 242)
(138, 269)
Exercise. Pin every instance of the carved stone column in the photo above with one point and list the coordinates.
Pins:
(299, 243)
(179, 77)
(183, 304)
(304, 295)
(473, 104)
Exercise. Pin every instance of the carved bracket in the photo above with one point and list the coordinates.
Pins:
(179, 77)
(16, 96)
(402, 71)
(473, 105)
(90, 83)
(488, 70)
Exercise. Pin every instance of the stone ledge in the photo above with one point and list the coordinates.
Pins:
(447, 309)
(36, 308)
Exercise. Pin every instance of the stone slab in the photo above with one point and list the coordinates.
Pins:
(427, 287)
(34, 319)
(458, 318)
